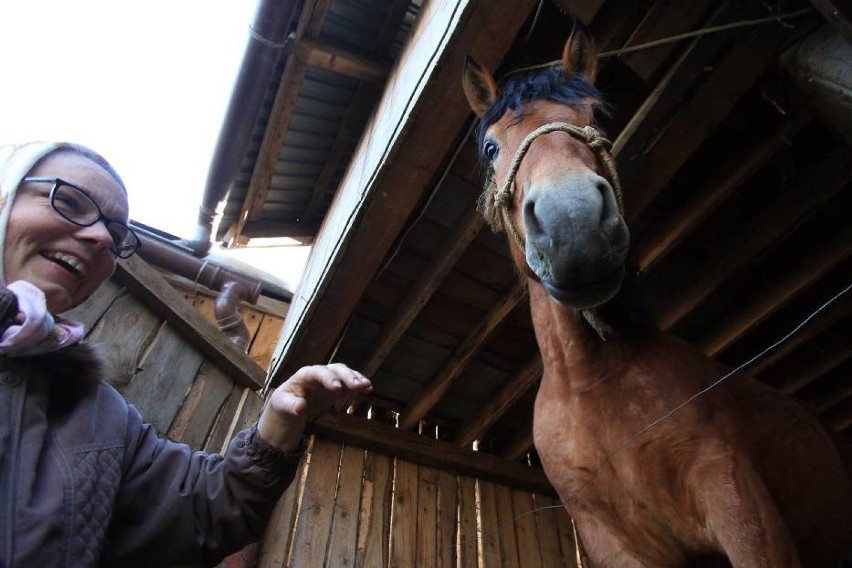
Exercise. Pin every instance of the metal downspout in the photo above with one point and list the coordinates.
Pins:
(233, 288)
(271, 26)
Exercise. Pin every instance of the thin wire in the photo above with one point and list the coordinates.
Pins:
(705, 31)
(534, 21)
(707, 389)
(671, 39)
(667, 415)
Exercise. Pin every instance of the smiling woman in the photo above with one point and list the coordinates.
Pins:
(83, 480)
(146, 83)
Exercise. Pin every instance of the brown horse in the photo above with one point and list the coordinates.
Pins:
(742, 475)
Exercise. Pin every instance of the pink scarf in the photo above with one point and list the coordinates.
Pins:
(35, 330)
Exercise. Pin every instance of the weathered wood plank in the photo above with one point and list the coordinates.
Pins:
(404, 522)
(343, 542)
(468, 535)
(547, 530)
(565, 528)
(374, 527)
(447, 512)
(507, 526)
(275, 546)
(313, 526)
(89, 312)
(426, 451)
(205, 400)
(263, 345)
(526, 529)
(126, 330)
(490, 526)
(164, 377)
(314, 53)
(154, 291)
(427, 518)
(221, 429)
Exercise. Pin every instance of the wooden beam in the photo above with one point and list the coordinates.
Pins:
(350, 120)
(798, 277)
(838, 13)
(440, 383)
(145, 283)
(584, 10)
(826, 362)
(830, 397)
(304, 232)
(829, 177)
(650, 118)
(310, 21)
(392, 168)
(519, 445)
(430, 279)
(662, 20)
(663, 237)
(698, 118)
(841, 310)
(477, 425)
(423, 450)
(316, 54)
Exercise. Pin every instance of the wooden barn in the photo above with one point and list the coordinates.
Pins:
(349, 130)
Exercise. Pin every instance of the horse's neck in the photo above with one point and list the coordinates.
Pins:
(572, 353)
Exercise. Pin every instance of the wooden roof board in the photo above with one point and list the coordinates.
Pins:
(691, 100)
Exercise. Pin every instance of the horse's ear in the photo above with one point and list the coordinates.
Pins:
(580, 56)
(479, 86)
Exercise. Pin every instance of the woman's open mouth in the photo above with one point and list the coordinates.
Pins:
(68, 262)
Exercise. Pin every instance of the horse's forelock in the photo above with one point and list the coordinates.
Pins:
(548, 84)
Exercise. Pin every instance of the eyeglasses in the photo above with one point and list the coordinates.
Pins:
(76, 206)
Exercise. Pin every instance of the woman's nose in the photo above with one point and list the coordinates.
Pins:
(96, 234)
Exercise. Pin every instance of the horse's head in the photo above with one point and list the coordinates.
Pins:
(548, 180)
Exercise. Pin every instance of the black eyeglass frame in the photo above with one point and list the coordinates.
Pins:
(125, 252)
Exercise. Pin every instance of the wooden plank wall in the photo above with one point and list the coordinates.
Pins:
(186, 397)
(348, 506)
(355, 508)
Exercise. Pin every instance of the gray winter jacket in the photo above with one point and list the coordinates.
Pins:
(84, 482)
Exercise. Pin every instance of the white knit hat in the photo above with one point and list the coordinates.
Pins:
(16, 161)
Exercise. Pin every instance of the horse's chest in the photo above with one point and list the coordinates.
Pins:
(582, 448)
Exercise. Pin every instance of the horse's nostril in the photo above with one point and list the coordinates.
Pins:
(531, 221)
(609, 210)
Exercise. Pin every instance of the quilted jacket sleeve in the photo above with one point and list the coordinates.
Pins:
(175, 506)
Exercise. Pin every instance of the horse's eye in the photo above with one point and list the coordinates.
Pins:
(490, 150)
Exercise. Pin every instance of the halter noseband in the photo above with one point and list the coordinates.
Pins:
(590, 136)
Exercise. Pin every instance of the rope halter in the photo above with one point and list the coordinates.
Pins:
(590, 136)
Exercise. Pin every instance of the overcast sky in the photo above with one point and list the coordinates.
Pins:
(146, 84)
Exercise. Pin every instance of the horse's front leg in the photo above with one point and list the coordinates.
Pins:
(744, 520)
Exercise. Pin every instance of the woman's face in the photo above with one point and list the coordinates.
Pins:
(66, 261)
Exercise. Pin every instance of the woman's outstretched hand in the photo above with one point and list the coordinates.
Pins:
(305, 395)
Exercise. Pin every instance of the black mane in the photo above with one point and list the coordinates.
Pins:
(550, 84)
